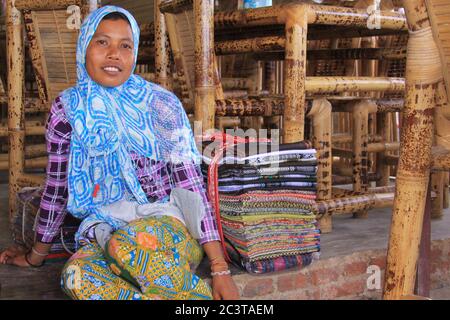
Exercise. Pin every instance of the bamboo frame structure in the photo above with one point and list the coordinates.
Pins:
(296, 85)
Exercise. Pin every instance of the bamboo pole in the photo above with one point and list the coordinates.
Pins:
(236, 83)
(204, 63)
(321, 85)
(345, 104)
(227, 122)
(252, 45)
(423, 71)
(37, 163)
(360, 141)
(31, 180)
(340, 16)
(161, 50)
(321, 139)
(260, 46)
(295, 75)
(339, 138)
(327, 15)
(16, 114)
(29, 131)
(371, 148)
(382, 168)
(36, 150)
(350, 204)
(249, 107)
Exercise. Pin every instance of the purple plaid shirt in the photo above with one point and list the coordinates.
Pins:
(155, 178)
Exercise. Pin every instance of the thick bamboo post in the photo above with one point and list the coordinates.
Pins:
(16, 112)
(161, 50)
(295, 75)
(204, 63)
(321, 117)
(423, 71)
(360, 116)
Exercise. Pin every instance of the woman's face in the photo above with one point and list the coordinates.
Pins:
(110, 54)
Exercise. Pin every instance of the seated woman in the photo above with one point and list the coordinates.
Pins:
(122, 158)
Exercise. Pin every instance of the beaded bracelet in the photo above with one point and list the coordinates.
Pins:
(220, 273)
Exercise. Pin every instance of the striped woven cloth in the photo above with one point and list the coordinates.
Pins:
(266, 207)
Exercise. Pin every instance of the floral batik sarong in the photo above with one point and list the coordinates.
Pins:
(151, 258)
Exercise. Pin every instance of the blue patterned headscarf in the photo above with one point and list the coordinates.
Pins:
(110, 123)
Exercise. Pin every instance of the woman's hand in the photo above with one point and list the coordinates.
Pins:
(224, 288)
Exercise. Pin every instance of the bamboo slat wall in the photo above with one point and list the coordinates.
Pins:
(57, 45)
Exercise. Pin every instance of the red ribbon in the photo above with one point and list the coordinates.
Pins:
(226, 141)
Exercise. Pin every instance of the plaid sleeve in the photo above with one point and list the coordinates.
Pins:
(188, 176)
(54, 197)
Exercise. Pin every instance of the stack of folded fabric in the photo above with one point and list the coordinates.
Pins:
(266, 202)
